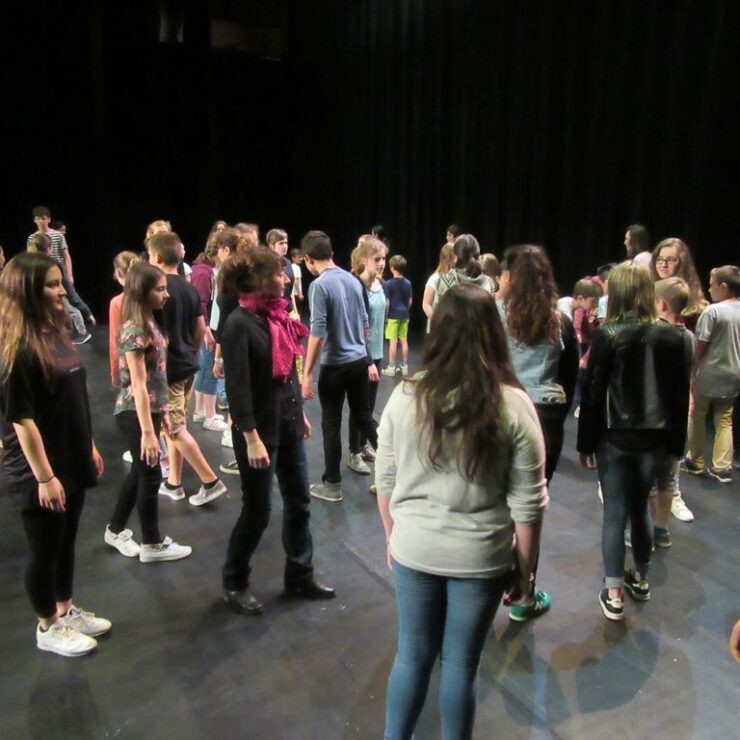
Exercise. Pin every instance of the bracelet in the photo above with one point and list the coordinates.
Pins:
(48, 480)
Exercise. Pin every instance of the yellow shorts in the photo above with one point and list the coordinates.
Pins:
(397, 329)
(180, 394)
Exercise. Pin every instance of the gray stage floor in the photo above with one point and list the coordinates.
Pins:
(178, 665)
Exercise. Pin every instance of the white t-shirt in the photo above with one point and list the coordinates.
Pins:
(718, 374)
(297, 275)
(565, 305)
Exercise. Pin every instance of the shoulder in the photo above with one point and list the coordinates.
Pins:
(519, 408)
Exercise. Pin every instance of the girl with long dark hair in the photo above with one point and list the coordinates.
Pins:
(467, 269)
(50, 456)
(459, 471)
(141, 411)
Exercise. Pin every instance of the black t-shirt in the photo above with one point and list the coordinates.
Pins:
(288, 290)
(61, 410)
(181, 312)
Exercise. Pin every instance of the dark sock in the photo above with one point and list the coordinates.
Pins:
(210, 485)
(172, 487)
(660, 530)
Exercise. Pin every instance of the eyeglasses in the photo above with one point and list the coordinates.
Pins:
(666, 260)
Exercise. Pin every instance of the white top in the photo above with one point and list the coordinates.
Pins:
(565, 305)
(718, 374)
(296, 271)
(433, 281)
(442, 523)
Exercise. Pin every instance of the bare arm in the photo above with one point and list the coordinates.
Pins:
(149, 441)
(313, 351)
(68, 265)
(200, 331)
(51, 492)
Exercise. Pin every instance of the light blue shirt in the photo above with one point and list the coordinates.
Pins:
(376, 299)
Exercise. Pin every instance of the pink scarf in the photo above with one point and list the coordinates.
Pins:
(286, 333)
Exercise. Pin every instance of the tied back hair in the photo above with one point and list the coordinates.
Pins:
(467, 252)
(246, 272)
(458, 387)
(25, 317)
(531, 314)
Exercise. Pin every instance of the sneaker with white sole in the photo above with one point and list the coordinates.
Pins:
(199, 418)
(600, 493)
(176, 494)
(357, 464)
(165, 550)
(205, 495)
(404, 370)
(538, 605)
(63, 640)
(689, 466)
(215, 424)
(327, 491)
(127, 457)
(368, 453)
(723, 475)
(638, 590)
(680, 510)
(613, 608)
(226, 439)
(85, 622)
(389, 372)
(230, 468)
(123, 542)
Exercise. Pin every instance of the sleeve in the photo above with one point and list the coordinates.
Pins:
(385, 461)
(527, 495)
(592, 416)
(19, 389)
(63, 243)
(705, 325)
(433, 281)
(201, 280)
(409, 292)
(318, 307)
(235, 350)
(569, 357)
(132, 339)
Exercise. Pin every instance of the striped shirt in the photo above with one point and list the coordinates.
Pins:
(58, 246)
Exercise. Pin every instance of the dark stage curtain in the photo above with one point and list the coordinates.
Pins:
(557, 123)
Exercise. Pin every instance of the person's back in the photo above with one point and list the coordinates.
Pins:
(181, 312)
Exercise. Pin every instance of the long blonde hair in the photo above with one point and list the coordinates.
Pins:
(686, 271)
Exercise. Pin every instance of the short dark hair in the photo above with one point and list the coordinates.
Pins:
(603, 270)
(588, 288)
(56, 224)
(398, 263)
(167, 245)
(639, 240)
(730, 276)
(317, 246)
(247, 271)
(41, 211)
(295, 252)
(455, 230)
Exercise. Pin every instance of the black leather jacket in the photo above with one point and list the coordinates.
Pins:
(637, 379)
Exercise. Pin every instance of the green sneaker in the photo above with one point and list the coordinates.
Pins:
(540, 603)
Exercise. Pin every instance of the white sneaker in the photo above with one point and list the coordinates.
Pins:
(199, 418)
(357, 464)
(205, 495)
(127, 457)
(368, 453)
(389, 372)
(226, 440)
(63, 640)
(123, 542)
(215, 424)
(680, 510)
(165, 550)
(404, 370)
(176, 494)
(85, 622)
(577, 412)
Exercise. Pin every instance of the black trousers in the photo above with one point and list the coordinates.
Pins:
(288, 462)
(336, 382)
(357, 439)
(552, 420)
(140, 488)
(51, 539)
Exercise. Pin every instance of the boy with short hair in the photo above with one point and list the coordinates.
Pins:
(296, 258)
(717, 376)
(185, 326)
(671, 298)
(398, 299)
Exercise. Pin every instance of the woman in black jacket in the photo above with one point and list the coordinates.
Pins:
(634, 411)
(260, 343)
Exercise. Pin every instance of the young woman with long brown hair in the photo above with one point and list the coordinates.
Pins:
(50, 456)
(459, 471)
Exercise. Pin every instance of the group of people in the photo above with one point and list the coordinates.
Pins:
(466, 446)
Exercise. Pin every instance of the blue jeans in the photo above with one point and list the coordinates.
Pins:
(626, 479)
(449, 617)
(205, 381)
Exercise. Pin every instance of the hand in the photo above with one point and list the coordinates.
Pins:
(167, 425)
(588, 461)
(519, 591)
(97, 462)
(150, 448)
(257, 455)
(307, 386)
(218, 369)
(735, 642)
(307, 428)
(209, 341)
(92, 321)
(52, 496)
(388, 556)
(372, 373)
(583, 362)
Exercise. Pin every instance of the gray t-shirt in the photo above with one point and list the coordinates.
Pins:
(443, 524)
(718, 373)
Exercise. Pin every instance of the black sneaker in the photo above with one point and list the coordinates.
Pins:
(689, 466)
(613, 608)
(82, 338)
(230, 468)
(723, 475)
(638, 590)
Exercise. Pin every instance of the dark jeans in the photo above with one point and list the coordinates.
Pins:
(51, 539)
(626, 479)
(449, 617)
(552, 419)
(140, 488)
(357, 440)
(288, 462)
(336, 382)
(74, 298)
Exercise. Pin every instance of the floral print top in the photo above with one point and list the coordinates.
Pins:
(132, 338)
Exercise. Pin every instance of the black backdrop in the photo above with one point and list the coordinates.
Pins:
(550, 122)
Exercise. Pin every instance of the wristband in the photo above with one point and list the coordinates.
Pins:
(48, 480)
